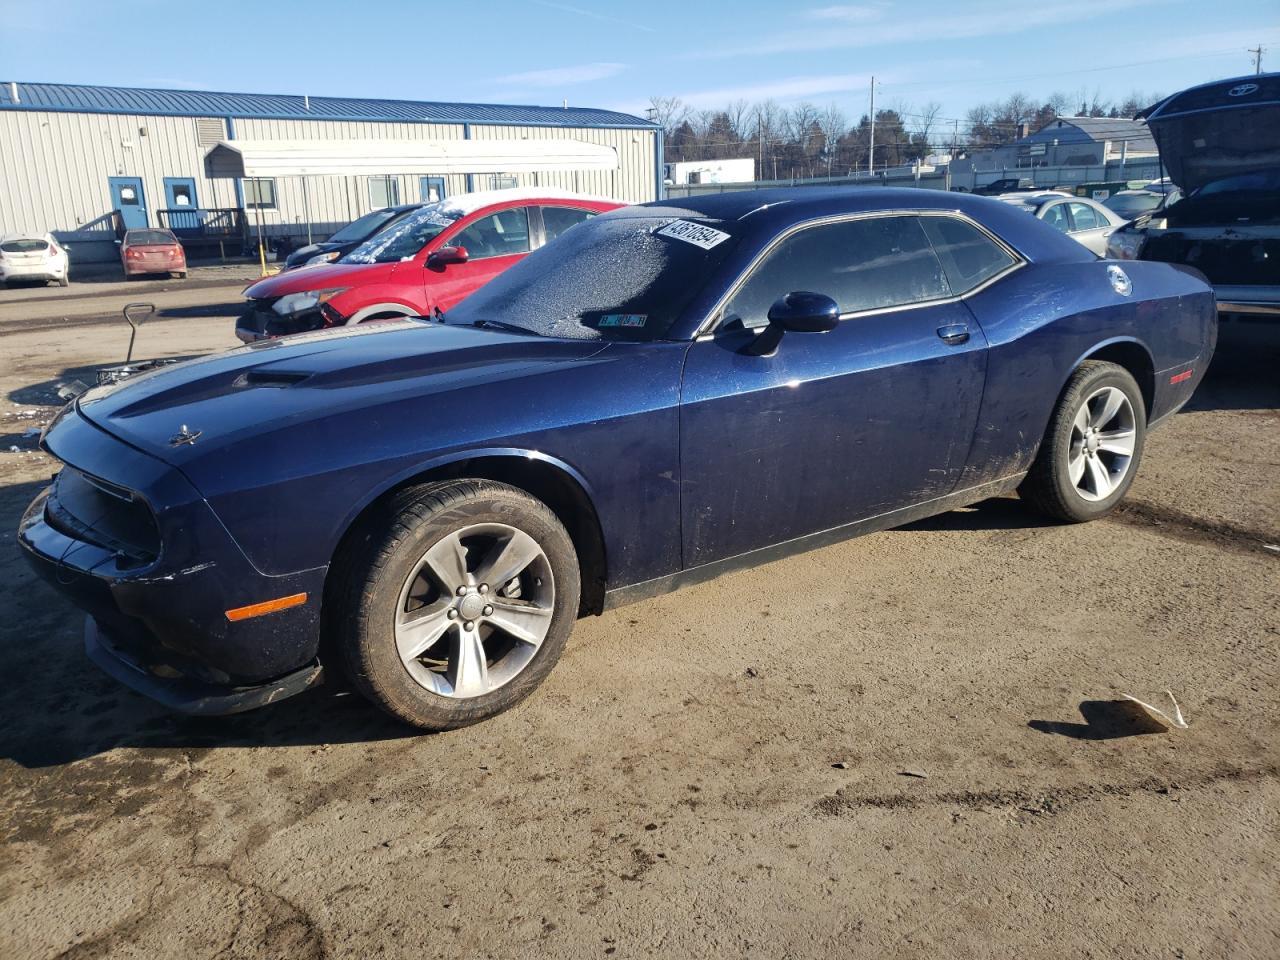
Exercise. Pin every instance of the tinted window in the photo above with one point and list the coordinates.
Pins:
(1083, 218)
(556, 220)
(497, 235)
(968, 255)
(861, 264)
(1056, 217)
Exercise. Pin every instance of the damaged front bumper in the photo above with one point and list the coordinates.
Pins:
(159, 623)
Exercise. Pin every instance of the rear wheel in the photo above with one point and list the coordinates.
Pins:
(1093, 446)
(64, 280)
(456, 603)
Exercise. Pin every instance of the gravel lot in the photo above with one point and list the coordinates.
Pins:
(719, 772)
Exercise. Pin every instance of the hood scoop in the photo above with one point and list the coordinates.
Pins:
(266, 377)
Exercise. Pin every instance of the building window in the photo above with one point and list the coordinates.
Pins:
(383, 192)
(502, 182)
(259, 193)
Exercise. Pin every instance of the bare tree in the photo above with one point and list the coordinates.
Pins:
(741, 118)
(668, 113)
(834, 124)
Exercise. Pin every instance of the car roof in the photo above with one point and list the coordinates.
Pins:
(23, 235)
(761, 214)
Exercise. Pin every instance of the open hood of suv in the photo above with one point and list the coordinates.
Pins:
(1218, 130)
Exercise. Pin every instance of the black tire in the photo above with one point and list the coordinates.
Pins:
(1048, 486)
(64, 281)
(367, 579)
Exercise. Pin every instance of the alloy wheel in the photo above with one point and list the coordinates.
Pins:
(1103, 437)
(474, 611)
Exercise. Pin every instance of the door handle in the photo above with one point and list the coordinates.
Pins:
(954, 333)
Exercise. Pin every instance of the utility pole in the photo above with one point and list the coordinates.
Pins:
(1257, 52)
(871, 152)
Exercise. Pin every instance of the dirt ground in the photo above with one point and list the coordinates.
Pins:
(720, 772)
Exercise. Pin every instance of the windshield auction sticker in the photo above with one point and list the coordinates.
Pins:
(695, 233)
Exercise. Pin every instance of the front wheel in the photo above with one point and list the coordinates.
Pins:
(455, 603)
(1093, 446)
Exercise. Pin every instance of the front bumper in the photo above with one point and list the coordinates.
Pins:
(184, 694)
(260, 322)
(164, 623)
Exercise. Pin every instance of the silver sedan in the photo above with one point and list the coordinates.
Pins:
(1080, 218)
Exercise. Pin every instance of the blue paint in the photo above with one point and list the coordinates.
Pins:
(692, 451)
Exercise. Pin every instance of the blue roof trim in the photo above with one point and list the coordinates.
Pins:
(73, 98)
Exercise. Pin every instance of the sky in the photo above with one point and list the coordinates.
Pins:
(619, 54)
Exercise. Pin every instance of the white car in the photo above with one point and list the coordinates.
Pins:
(26, 256)
(1080, 218)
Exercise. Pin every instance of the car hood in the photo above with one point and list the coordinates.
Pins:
(1217, 130)
(313, 278)
(203, 407)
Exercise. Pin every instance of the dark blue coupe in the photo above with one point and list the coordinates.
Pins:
(665, 393)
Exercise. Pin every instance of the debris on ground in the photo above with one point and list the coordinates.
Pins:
(1174, 720)
(913, 773)
(841, 765)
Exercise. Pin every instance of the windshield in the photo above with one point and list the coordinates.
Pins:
(148, 237)
(610, 278)
(366, 226)
(405, 237)
(1130, 206)
(1258, 181)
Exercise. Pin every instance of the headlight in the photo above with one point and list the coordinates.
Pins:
(307, 300)
(1125, 244)
(329, 257)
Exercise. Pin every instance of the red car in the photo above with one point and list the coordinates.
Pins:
(152, 251)
(429, 260)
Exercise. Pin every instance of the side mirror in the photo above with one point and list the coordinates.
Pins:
(447, 255)
(805, 312)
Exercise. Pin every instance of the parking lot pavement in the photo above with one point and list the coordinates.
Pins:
(718, 772)
(217, 295)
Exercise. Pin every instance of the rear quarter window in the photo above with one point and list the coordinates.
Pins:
(969, 257)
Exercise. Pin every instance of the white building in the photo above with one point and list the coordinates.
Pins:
(710, 171)
(86, 162)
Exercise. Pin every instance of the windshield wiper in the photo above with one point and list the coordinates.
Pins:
(499, 325)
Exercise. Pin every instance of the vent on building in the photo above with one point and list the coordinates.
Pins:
(209, 130)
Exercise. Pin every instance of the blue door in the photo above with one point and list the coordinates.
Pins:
(828, 428)
(431, 189)
(128, 198)
(181, 208)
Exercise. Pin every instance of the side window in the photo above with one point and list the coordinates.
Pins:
(556, 220)
(968, 255)
(861, 264)
(1056, 217)
(1083, 217)
(497, 235)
